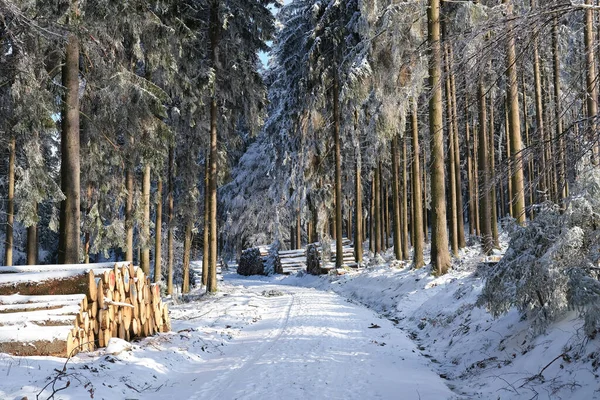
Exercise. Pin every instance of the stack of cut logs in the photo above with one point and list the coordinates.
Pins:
(119, 302)
(293, 261)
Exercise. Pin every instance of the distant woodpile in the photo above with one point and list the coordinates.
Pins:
(292, 261)
(61, 310)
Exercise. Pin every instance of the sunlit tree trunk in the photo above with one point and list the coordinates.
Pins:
(529, 158)
(214, 37)
(170, 217)
(515, 126)
(187, 246)
(404, 203)
(376, 211)
(396, 200)
(87, 237)
(509, 182)
(484, 187)
(440, 256)
(145, 260)
(453, 212)
(560, 160)
(470, 176)
(158, 233)
(70, 217)
(425, 198)
(591, 84)
(358, 231)
(206, 229)
(417, 206)
(492, 164)
(10, 204)
(339, 251)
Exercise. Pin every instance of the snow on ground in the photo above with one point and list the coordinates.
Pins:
(480, 357)
(255, 339)
(384, 332)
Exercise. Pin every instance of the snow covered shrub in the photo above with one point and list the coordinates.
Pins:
(273, 264)
(552, 264)
(326, 243)
(313, 265)
(251, 263)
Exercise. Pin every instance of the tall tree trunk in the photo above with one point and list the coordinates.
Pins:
(560, 159)
(462, 243)
(158, 233)
(396, 200)
(484, 187)
(292, 238)
(592, 90)
(87, 238)
(187, 246)
(381, 209)
(214, 37)
(386, 215)
(145, 252)
(476, 178)
(70, 217)
(10, 205)
(339, 251)
(376, 211)
(453, 212)
(32, 243)
(440, 256)
(212, 216)
(404, 203)
(417, 206)
(470, 175)
(349, 221)
(515, 125)
(129, 180)
(425, 209)
(509, 186)
(358, 231)
(170, 217)
(539, 111)
(551, 170)
(372, 215)
(530, 181)
(492, 164)
(298, 229)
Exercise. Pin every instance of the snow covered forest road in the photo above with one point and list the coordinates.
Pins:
(255, 339)
(300, 343)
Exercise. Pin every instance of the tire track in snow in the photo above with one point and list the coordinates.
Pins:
(237, 372)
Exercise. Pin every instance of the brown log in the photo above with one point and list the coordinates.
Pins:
(55, 286)
(127, 315)
(92, 288)
(111, 280)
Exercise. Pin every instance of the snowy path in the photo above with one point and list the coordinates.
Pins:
(305, 344)
(256, 339)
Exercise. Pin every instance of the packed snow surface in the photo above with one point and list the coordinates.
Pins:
(256, 339)
(384, 332)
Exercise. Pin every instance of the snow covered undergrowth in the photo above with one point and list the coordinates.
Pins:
(480, 357)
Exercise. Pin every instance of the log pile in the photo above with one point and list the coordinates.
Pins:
(348, 252)
(116, 302)
(293, 261)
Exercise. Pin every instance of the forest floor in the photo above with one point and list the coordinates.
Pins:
(385, 332)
